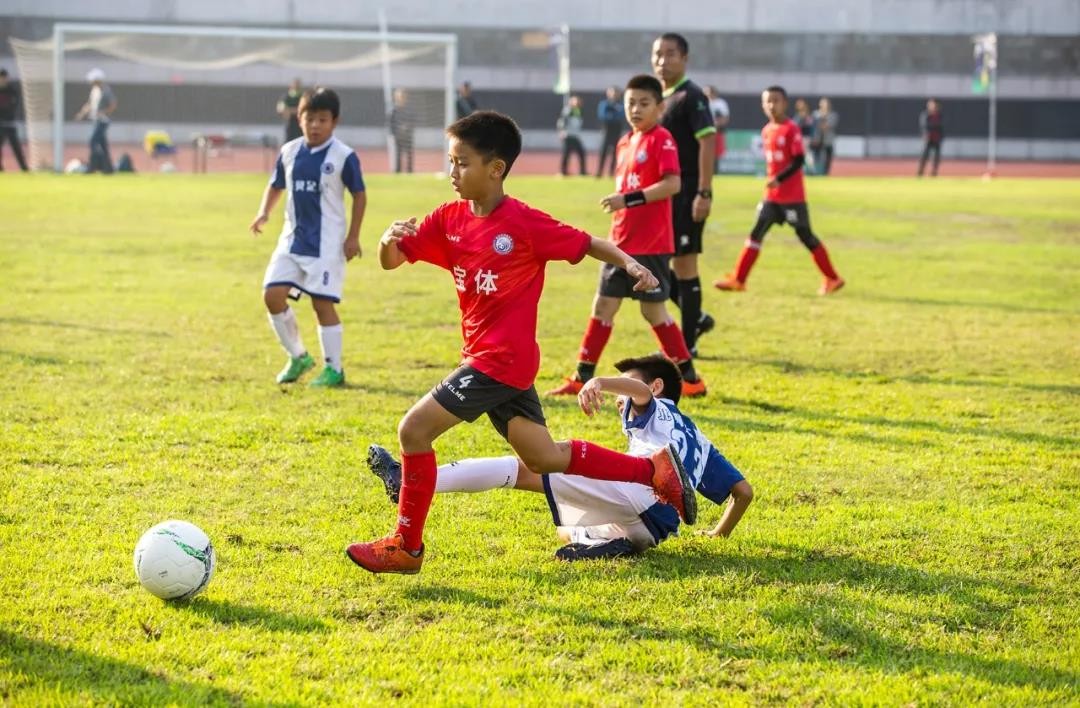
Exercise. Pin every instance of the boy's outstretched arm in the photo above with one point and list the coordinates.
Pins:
(390, 256)
(741, 496)
(608, 252)
(591, 396)
(269, 200)
(352, 240)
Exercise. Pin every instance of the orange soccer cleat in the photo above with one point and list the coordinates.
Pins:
(693, 389)
(570, 387)
(671, 485)
(830, 285)
(385, 555)
(730, 283)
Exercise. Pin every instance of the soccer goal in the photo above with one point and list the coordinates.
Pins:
(224, 83)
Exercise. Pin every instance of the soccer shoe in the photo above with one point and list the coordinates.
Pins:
(730, 284)
(830, 285)
(295, 368)
(615, 548)
(328, 378)
(570, 387)
(383, 465)
(671, 485)
(705, 324)
(385, 556)
(693, 389)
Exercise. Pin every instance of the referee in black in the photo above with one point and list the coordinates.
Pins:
(689, 120)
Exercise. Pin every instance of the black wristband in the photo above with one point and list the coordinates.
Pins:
(634, 199)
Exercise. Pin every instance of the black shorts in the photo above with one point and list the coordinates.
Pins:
(616, 282)
(468, 394)
(687, 231)
(775, 213)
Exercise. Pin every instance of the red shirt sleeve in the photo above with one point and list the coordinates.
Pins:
(429, 243)
(669, 155)
(555, 241)
(795, 140)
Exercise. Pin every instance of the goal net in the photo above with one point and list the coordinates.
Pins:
(218, 90)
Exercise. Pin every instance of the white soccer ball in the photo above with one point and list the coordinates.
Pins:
(174, 560)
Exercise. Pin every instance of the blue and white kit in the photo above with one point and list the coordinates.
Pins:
(310, 255)
(594, 511)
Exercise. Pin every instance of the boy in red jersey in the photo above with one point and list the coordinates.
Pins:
(646, 177)
(496, 248)
(785, 197)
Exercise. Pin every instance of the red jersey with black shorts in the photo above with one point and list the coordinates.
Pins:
(783, 142)
(642, 160)
(497, 262)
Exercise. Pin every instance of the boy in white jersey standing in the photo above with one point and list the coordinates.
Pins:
(605, 519)
(310, 257)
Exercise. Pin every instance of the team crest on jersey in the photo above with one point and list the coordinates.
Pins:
(780, 140)
(642, 155)
(503, 244)
(328, 168)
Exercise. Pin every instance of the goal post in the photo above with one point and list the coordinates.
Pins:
(221, 69)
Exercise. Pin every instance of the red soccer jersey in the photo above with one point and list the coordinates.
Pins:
(642, 160)
(498, 266)
(782, 142)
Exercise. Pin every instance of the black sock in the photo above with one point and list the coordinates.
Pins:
(585, 370)
(690, 305)
(674, 294)
(687, 370)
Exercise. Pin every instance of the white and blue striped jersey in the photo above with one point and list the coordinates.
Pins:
(662, 423)
(316, 180)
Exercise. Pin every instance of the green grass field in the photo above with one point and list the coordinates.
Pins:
(912, 443)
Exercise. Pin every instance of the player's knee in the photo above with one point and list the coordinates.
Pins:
(413, 436)
(548, 459)
(274, 300)
(808, 238)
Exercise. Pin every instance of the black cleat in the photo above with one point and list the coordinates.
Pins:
(705, 324)
(383, 465)
(615, 548)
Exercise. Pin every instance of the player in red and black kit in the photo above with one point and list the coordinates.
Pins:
(785, 196)
(689, 120)
(646, 177)
(496, 249)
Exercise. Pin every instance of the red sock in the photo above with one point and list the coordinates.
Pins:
(671, 342)
(418, 473)
(821, 257)
(749, 254)
(596, 338)
(595, 462)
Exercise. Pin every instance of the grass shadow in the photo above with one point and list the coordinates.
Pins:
(787, 366)
(29, 322)
(65, 672)
(231, 613)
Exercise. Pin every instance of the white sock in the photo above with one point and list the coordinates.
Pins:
(330, 338)
(477, 475)
(288, 332)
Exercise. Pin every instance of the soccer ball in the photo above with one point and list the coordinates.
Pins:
(174, 560)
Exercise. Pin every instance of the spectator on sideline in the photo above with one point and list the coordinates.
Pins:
(466, 104)
(287, 107)
(805, 120)
(98, 107)
(932, 127)
(721, 117)
(9, 103)
(402, 124)
(613, 123)
(826, 120)
(569, 125)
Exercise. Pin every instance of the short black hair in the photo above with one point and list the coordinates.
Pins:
(320, 99)
(777, 89)
(656, 366)
(678, 39)
(491, 134)
(644, 82)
